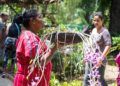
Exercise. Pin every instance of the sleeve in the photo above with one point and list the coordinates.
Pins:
(30, 48)
(107, 38)
(34, 46)
(93, 31)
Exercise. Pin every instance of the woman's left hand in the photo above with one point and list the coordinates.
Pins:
(99, 62)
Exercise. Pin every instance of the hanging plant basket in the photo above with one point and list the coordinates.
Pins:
(65, 37)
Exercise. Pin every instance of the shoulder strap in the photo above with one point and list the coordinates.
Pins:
(17, 29)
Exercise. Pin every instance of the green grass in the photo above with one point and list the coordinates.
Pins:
(72, 83)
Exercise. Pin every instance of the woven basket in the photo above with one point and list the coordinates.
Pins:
(65, 37)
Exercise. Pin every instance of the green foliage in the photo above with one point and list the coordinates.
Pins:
(115, 45)
(72, 83)
(55, 82)
(67, 12)
(115, 49)
(78, 11)
(4, 8)
(75, 62)
(68, 66)
(91, 6)
(11, 9)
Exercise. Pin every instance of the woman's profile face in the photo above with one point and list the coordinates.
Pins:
(38, 23)
(97, 21)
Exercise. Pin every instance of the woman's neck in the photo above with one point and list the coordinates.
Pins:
(99, 29)
(31, 29)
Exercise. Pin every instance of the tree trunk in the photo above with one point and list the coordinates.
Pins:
(115, 18)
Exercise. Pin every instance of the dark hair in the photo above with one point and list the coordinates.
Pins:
(15, 28)
(18, 19)
(29, 14)
(99, 14)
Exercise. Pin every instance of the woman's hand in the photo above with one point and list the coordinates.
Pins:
(57, 46)
(99, 61)
(48, 55)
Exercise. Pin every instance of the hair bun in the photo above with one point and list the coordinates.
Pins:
(18, 19)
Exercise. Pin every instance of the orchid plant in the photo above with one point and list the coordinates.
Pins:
(92, 54)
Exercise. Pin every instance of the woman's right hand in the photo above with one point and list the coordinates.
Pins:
(57, 46)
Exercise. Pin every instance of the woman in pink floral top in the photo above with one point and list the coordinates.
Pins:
(28, 44)
(117, 60)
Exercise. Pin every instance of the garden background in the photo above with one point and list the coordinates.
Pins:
(72, 16)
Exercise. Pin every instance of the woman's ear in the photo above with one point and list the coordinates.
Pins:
(32, 20)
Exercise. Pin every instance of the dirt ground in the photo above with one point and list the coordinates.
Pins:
(111, 73)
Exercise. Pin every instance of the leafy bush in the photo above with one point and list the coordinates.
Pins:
(56, 82)
(68, 66)
(115, 49)
(115, 46)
